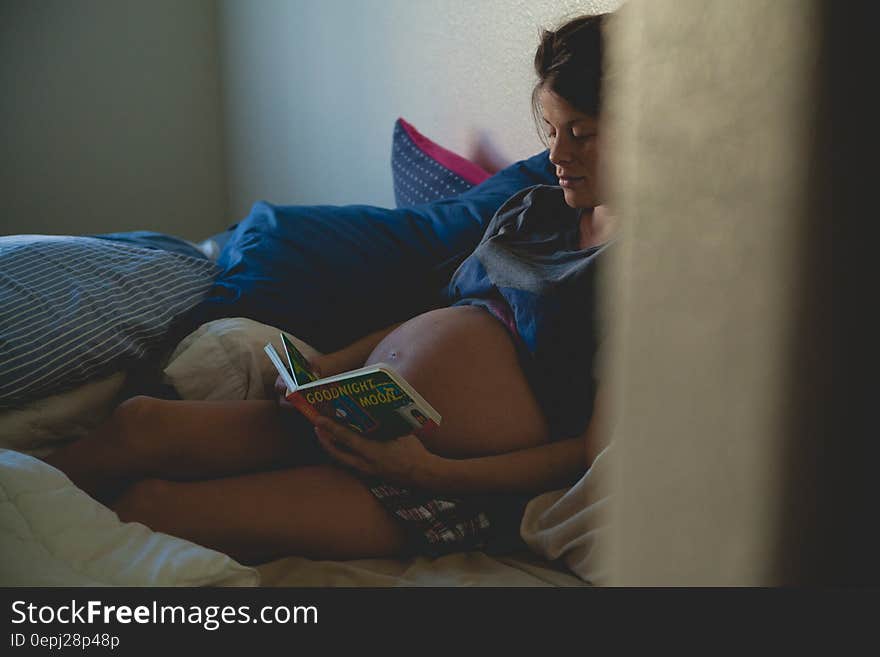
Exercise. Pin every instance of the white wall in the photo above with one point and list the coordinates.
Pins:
(110, 117)
(312, 89)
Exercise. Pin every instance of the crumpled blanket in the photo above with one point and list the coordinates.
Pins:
(571, 524)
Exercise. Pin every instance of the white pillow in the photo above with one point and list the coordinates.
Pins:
(224, 359)
(53, 534)
(570, 523)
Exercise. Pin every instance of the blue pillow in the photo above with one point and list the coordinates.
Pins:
(332, 274)
(73, 309)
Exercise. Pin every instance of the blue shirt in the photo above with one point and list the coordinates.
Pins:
(529, 271)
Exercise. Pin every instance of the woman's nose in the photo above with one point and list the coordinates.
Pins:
(559, 152)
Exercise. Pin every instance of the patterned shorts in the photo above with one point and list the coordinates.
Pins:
(435, 526)
(438, 525)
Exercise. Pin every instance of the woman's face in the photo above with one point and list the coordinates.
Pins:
(573, 138)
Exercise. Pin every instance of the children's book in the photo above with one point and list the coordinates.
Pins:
(374, 400)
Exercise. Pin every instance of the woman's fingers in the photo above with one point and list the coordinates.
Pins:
(330, 444)
(344, 435)
(404, 460)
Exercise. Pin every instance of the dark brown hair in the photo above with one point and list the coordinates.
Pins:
(569, 63)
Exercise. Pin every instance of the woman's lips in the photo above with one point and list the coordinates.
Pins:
(569, 181)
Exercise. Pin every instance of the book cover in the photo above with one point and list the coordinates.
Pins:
(374, 400)
(299, 365)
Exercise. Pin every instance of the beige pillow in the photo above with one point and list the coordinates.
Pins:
(42, 424)
(224, 359)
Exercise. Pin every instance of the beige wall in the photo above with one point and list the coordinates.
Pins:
(714, 291)
(110, 117)
(312, 89)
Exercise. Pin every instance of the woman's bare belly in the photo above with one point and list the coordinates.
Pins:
(463, 361)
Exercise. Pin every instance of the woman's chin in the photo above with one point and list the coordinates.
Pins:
(577, 198)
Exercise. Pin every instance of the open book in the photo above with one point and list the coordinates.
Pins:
(372, 400)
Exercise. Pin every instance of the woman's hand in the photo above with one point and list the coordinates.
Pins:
(281, 395)
(403, 461)
(321, 366)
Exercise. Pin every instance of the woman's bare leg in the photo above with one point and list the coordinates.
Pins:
(318, 511)
(180, 440)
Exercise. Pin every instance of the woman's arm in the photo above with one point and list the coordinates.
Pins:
(352, 356)
(406, 461)
(598, 433)
(535, 469)
(531, 470)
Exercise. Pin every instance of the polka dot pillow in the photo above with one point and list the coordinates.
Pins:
(424, 171)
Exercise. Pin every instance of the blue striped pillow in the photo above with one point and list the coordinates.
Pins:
(73, 309)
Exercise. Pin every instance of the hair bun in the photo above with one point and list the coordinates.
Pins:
(568, 62)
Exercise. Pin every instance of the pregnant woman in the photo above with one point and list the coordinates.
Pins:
(508, 365)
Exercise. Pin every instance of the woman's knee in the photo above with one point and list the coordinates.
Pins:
(132, 421)
(135, 410)
(144, 502)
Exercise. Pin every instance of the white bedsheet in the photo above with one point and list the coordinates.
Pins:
(53, 534)
(461, 569)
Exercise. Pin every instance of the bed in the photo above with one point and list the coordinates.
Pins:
(86, 321)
